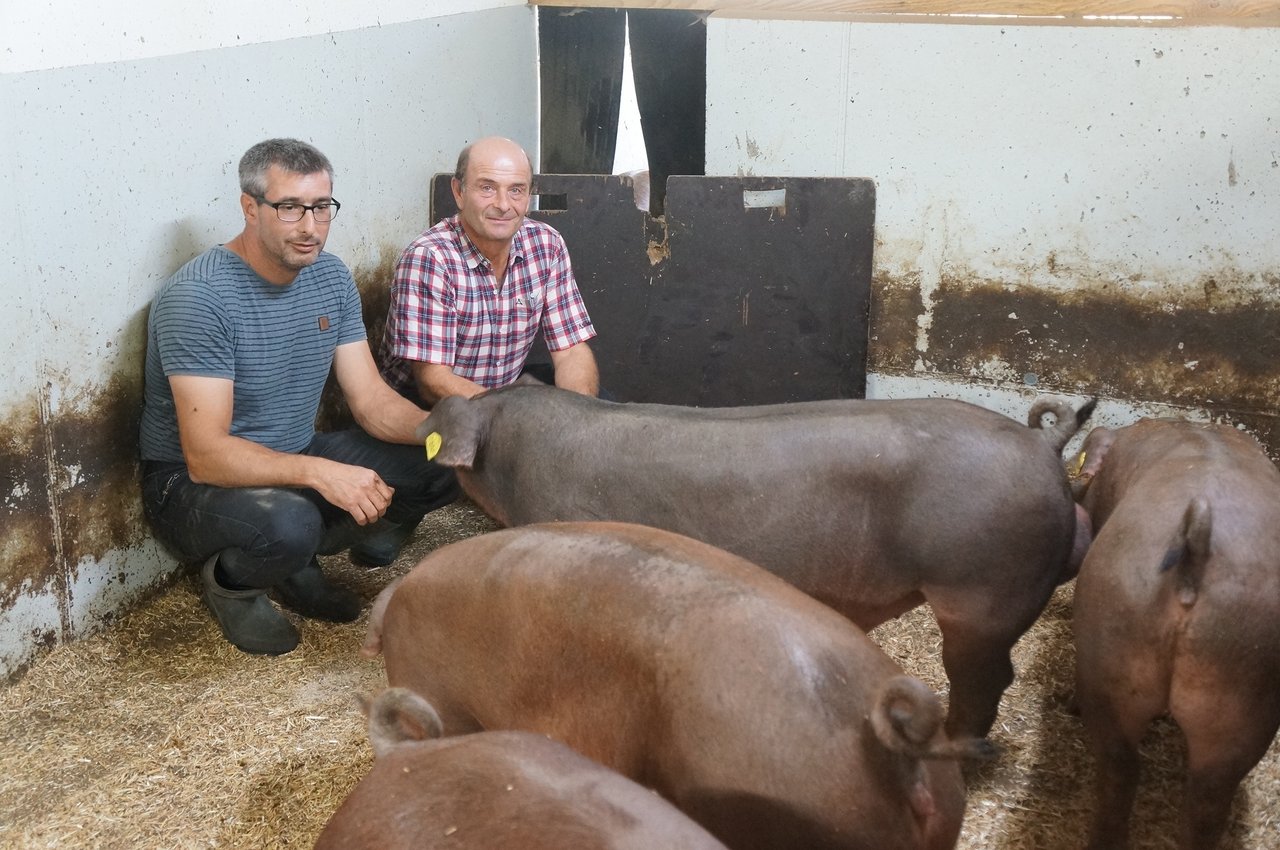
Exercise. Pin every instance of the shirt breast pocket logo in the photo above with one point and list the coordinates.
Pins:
(523, 315)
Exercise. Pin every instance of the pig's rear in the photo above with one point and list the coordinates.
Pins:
(1177, 611)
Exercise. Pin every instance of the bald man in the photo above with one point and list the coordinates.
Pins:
(471, 294)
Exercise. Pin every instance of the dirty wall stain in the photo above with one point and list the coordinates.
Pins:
(27, 550)
(1201, 348)
(96, 441)
(71, 486)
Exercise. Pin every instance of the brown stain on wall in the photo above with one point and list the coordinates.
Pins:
(892, 316)
(28, 552)
(374, 283)
(1189, 346)
(71, 489)
(97, 439)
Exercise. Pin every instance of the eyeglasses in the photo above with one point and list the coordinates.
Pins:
(291, 211)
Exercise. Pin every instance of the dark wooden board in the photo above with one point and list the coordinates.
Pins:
(719, 302)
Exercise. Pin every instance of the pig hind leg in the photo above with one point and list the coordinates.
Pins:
(1116, 764)
(979, 669)
(979, 628)
(1119, 697)
(980, 625)
(1228, 730)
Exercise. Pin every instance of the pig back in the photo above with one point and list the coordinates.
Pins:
(858, 503)
(677, 664)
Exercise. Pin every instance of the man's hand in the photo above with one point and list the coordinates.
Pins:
(358, 491)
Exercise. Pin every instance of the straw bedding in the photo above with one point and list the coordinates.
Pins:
(158, 734)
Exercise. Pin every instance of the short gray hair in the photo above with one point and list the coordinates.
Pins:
(292, 155)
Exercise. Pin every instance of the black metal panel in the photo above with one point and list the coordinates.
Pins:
(723, 302)
(669, 60)
(580, 76)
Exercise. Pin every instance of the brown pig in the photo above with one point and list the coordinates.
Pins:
(1177, 611)
(762, 714)
(494, 791)
(872, 507)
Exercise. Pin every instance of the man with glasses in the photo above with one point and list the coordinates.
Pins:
(240, 343)
(471, 294)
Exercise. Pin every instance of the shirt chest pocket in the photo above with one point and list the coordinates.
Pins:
(521, 316)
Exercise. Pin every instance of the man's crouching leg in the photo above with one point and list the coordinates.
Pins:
(281, 558)
(250, 540)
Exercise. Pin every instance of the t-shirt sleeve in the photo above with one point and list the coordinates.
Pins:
(352, 326)
(193, 332)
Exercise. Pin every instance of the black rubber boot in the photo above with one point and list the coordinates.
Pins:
(310, 594)
(247, 618)
(383, 544)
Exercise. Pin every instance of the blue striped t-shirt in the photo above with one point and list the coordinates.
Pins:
(216, 317)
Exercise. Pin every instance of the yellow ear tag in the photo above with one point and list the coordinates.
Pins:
(1077, 467)
(433, 445)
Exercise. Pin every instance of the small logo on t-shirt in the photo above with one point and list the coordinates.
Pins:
(323, 322)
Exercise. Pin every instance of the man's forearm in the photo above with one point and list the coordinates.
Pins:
(236, 462)
(390, 417)
(576, 370)
(436, 382)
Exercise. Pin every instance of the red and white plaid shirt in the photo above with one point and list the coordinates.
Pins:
(446, 307)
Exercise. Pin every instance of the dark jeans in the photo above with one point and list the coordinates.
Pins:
(268, 533)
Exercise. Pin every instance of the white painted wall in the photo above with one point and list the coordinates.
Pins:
(123, 123)
(60, 33)
(1130, 154)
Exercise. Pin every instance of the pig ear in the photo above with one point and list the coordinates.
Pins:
(451, 434)
(1081, 471)
(397, 715)
(455, 450)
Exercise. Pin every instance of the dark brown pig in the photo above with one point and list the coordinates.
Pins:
(1177, 611)
(869, 506)
(762, 714)
(494, 791)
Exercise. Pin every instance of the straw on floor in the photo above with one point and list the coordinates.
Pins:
(158, 734)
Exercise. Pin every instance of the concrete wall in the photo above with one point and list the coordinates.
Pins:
(1085, 210)
(123, 124)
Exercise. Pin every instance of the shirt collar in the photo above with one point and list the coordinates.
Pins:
(519, 243)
